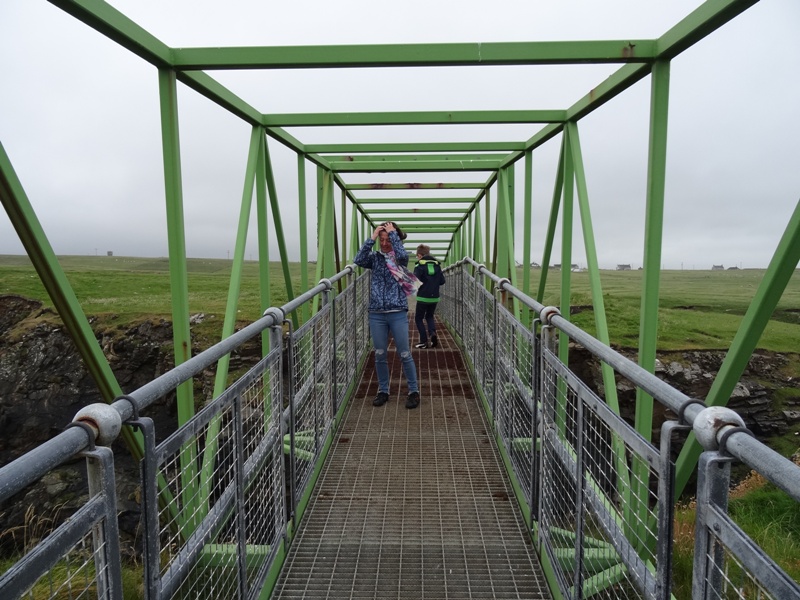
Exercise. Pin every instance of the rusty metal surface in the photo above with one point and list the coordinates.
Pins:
(414, 503)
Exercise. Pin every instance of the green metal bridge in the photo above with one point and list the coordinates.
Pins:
(514, 480)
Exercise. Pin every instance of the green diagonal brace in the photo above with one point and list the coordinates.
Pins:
(779, 272)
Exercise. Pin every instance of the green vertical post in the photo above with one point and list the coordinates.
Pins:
(566, 257)
(654, 225)
(780, 270)
(324, 206)
(264, 275)
(648, 319)
(477, 249)
(566, 247)
(487, 240)
(355, 242)
(179, 284)
(344, 230)
(278, 223)
(506, 264)
(527, 218)
(551, 225)
(303, 224)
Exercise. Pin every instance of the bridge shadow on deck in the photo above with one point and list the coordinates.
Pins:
(414, 503)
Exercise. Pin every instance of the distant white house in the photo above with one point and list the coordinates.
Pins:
(717, 268)
(623, 267)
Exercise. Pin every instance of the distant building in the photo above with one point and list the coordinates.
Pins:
(110, 253)
(717, 268)
(557, 266)
(623, 267)
(535, 265)
(733, 268)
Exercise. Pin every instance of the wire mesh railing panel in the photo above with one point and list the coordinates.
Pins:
(559, 514)
(312, 405)
(78, 553)
(263, 473)
(198, 466)
(344, 306)
(728, 564)
(514, 413)
(611, 479)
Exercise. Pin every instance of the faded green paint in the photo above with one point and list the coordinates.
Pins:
(264, 279)
(553, 221)
(278, 223)
(189, 517)
(303, 226)
(415, 55)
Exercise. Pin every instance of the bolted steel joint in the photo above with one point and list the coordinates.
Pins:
(709, 422)
(502, 283)
(104, 421)
(276, 313)
(327, 283)
(548, 312)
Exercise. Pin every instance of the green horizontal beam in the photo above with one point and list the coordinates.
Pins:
(116, 26)
(394, 158)
(464, 117)
(440, 166)
(416, 147)
(428, 219)
(414, 200)
(705, 19)
(415, 186)
(407, 211)
(415, 55)
(428, 229)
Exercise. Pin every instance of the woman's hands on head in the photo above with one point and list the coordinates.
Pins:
(387, 227)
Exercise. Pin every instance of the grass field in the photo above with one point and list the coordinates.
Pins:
(698, 309)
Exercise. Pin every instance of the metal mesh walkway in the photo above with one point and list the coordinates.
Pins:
(414, 503)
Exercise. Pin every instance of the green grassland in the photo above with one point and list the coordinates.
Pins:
(698, 309)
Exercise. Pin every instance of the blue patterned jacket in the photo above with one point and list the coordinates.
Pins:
(385, 293)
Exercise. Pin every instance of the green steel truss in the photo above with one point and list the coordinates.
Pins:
(469, 218)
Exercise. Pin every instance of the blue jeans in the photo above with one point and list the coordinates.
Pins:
(424, 315)
(396, 323)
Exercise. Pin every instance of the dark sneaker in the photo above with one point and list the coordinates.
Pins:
(381, 399)
(413, 400)
(421, 345)
(434, 341)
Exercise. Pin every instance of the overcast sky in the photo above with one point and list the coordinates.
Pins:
(79, 119)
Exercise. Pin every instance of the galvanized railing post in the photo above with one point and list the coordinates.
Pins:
(535, 382)
(105, 535)
(496, 347)
(290, 359)
(713, 481)
(666, 510)
(151, 540)
(580, 482)
(238, 475)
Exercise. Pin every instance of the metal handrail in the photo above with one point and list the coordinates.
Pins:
(61, 448)
(779, 470)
